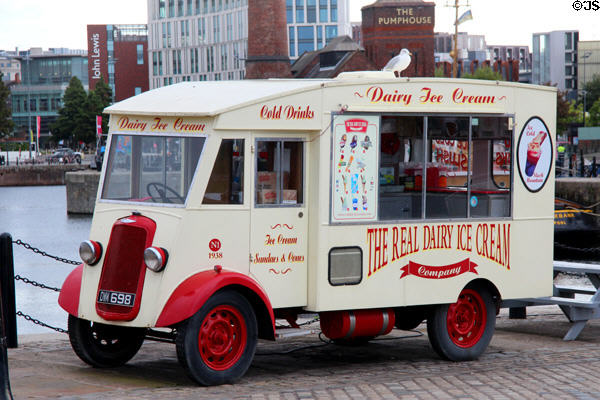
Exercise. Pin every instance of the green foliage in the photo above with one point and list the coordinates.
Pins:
(485, 73)
(593, 91)
(70, 124)
(439, 72)
(594, 114)
(6, 123)
(77, 118)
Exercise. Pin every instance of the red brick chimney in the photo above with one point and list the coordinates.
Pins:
(268, 55)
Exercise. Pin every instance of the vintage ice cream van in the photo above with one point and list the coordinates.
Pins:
(374, 201)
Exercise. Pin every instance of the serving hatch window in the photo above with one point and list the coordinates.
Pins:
(151, 169)
(429, 167)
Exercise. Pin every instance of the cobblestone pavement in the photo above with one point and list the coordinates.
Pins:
(527, 359)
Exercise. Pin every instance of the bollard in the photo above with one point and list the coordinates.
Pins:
(5, 392)
(7, 290)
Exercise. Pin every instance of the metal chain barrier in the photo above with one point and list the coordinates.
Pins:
(38, 322)
(36, 284)
(40, 285)
(43, 253)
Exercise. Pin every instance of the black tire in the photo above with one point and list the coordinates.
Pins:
(228, 327)
(78, 159)
(472, 322)
(408, 318)
(104, 346)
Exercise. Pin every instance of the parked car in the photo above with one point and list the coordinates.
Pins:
(65, 156)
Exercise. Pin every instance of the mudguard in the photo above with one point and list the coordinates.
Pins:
(192, 293)
(68, 298)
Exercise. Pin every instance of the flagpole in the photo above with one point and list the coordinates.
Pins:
(455, 47)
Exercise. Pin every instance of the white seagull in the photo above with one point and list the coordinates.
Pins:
(399, 63)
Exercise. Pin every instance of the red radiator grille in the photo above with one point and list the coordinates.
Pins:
(124, 270)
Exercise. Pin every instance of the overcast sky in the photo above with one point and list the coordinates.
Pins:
(62, 23)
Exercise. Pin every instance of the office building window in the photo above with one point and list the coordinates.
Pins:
(306, 39)
(330, 32)
(334, 11)
(32, 105)
(289, 11)
(201, 30)
(189, 7)
(140, 54)
(319, 36)
(292, 42)
(299, 11)
(216, 29)
(154, 63)
(197, 7)
(311, 11)
(161, 9)
(171, 8)
(323, 14)
(180, 8)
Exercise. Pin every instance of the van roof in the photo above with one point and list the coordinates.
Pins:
(210, 98)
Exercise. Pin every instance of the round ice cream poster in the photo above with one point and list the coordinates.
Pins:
(534, 154)
(354, 183)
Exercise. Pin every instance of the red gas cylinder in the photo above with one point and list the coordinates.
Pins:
(357, 323)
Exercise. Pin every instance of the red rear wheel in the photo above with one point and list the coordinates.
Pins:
(222, 337)
(466, 319)
(462, 331)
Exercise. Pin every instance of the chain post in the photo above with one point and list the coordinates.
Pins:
(7, 284)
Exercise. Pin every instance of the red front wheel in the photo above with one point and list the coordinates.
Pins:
(217, 344)
(462, 331)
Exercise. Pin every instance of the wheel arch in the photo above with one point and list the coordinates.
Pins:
(194, 291)
(70, 291)
(488, 285)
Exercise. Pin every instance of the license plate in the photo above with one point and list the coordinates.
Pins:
(116, 298)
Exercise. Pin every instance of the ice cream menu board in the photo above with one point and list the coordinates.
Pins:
(534, 154)
(355, 163)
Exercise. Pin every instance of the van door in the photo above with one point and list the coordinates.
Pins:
(279, 220)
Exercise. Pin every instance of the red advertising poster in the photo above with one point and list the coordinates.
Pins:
(99, 125)
(38, 121)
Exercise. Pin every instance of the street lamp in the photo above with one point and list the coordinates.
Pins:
(585, 56)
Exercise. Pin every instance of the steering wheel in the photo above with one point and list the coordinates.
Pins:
(161, 191)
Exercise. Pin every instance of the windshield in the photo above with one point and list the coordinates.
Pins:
(151, 169)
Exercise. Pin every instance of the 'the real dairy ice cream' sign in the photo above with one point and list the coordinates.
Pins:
(534, 154)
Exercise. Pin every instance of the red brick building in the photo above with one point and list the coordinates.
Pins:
(390, 25)
(267, 40)
(118, 54)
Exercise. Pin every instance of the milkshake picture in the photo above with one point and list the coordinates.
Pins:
(534, 152)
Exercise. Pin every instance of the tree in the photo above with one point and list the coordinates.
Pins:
(6, 123)
(592, 89)
(594, 113)
(71, 122)
(485, 73)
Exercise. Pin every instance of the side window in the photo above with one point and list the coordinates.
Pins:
(226, 183)
(401, 168)
(447, 167)
(491, 167)
(279, 172)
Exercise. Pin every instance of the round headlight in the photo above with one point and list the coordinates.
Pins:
(90, 252)
(155, 258)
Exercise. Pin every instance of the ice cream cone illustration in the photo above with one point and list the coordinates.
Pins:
(354, 142)
(343, 141)
(349, 163)
(345, 182)
(364, 200)
(534, 152)
(364, 182)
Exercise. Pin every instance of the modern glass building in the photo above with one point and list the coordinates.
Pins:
(208, 39)
(554, 60)
(44, 78)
